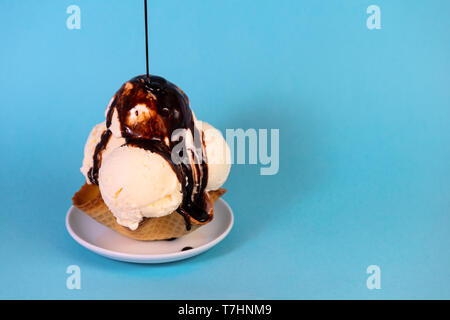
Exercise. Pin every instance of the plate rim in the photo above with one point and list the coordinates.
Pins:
(163, 257)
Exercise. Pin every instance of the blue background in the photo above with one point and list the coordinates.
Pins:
(364, 143)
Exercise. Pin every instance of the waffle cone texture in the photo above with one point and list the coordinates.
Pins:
(89, 200)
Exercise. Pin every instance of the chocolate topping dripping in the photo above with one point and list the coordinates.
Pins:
(150, 110)
(93, 172)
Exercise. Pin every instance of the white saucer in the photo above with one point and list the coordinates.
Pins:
(106, 242)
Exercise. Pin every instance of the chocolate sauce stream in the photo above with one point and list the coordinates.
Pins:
(164, 108)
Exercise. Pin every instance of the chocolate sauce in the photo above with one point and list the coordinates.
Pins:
(186, 248)
(93, 172)
(146, 37)
(150, 110)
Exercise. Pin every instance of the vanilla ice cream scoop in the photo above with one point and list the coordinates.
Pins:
(91, 144)
(217, 154)
(136, 183)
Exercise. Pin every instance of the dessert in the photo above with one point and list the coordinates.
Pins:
(153, 171)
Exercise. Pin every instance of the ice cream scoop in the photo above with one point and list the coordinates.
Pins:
(145, 187)
(92, 142)
(218, 155)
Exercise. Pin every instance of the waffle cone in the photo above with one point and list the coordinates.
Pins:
(89, 200)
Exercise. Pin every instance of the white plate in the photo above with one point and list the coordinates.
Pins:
(106, 242)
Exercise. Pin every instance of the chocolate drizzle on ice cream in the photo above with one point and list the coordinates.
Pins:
(150, 111)
(93, 172)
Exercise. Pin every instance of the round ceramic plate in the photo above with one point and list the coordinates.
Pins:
(106, 242)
